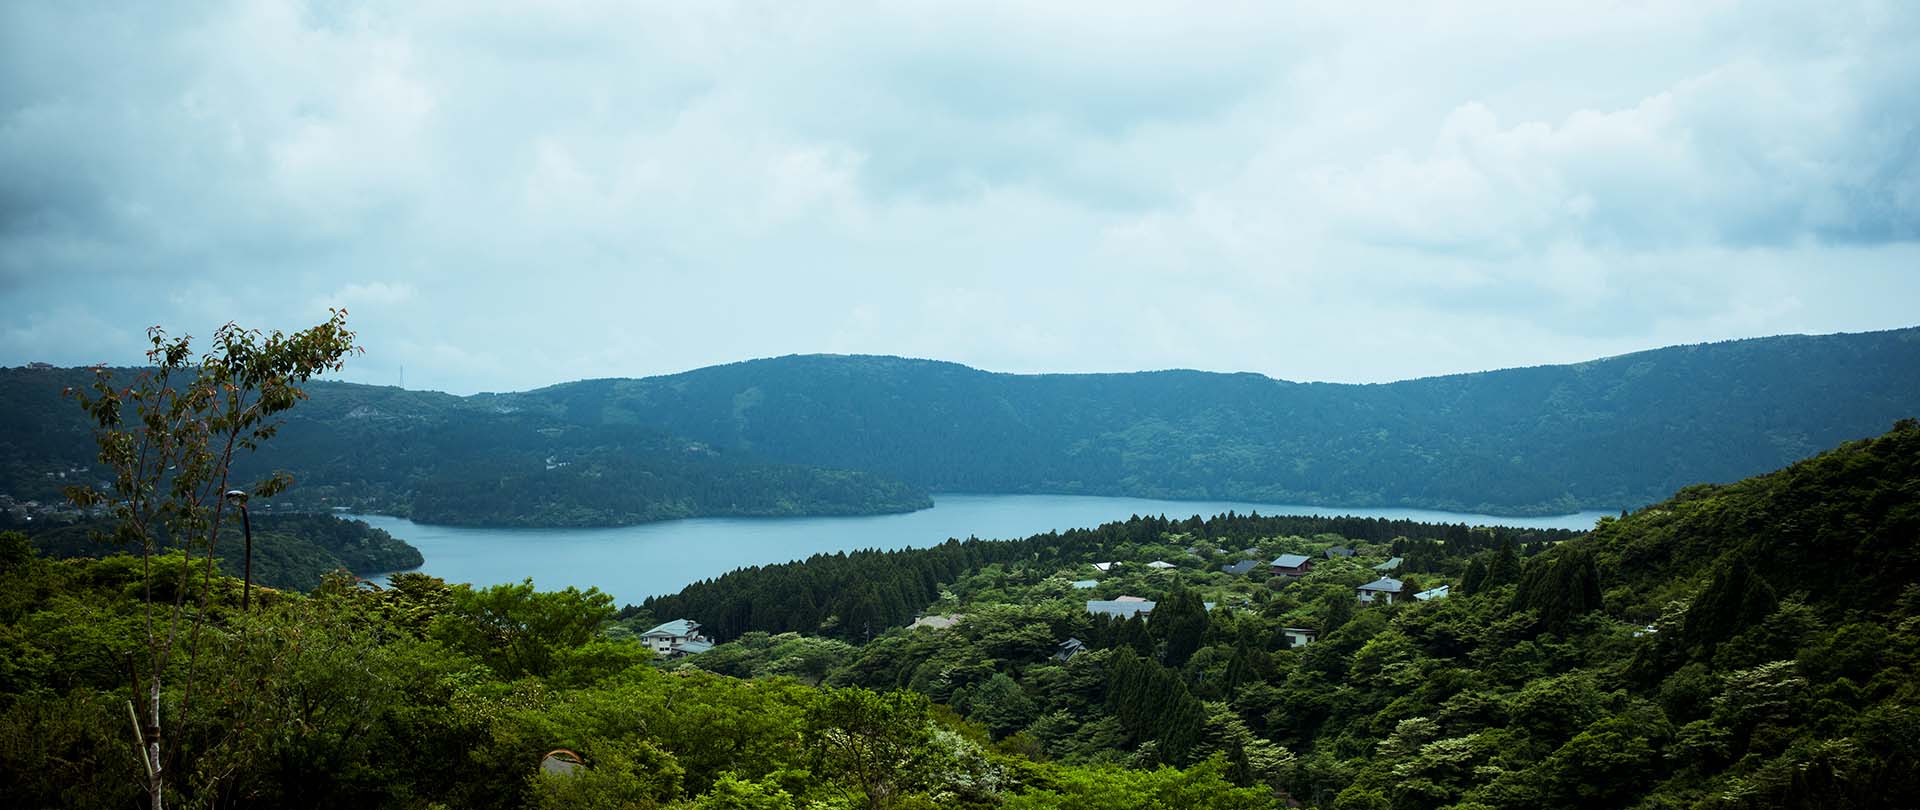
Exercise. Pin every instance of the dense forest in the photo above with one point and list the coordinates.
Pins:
(1750, 645)
(825, 435)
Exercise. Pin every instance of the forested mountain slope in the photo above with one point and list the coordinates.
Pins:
(1618, 432)
(855, 435)
(446, 459)
(1742, 646)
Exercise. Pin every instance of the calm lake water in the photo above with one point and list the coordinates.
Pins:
(634, 562)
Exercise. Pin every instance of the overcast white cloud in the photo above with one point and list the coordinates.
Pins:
(510, 196)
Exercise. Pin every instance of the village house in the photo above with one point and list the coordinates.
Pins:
(676, 638)
(1069, 648)
(1339, 552)
(1299, 636)
(1123, 607)
(1389, 566)
(1241, 568)
(1291, 565)
(1382, 590)
(1160, 565)
(1433, 593)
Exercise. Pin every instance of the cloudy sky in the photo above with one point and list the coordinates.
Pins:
(507, 197)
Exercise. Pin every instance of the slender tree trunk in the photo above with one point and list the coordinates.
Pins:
(156, 780)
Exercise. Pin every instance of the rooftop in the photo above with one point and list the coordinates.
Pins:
(1383, 585)
(676, 628)
(1119, 609)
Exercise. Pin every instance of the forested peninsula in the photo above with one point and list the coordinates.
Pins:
(839, 435)
(291, 551)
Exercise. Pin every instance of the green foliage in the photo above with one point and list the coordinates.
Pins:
(15, 550)
(1735, 600)
(999, 704)
(642, 776)
(1202, 787)
(1153, 706)
(874, 745)
(730, 793)
(517, 630)
(1179, 624)
(1559, 588)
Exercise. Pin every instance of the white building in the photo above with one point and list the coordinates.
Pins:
(677, 637)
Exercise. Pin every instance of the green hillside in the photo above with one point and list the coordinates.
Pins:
(1619, 432)
(1743, 646)
(831, 435)
(446, 459)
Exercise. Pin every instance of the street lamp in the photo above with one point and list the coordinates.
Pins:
(239, 498)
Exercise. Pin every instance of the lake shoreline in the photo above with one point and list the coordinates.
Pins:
(1498, 518)
(651, 559)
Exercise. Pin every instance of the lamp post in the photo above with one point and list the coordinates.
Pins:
(239, 498)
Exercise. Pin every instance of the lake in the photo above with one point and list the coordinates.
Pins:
(634, 562)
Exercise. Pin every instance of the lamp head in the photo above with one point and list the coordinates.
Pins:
(238, 497)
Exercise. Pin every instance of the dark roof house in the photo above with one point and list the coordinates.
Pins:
(1241, 568)
(1292, 565)
(1381, 590)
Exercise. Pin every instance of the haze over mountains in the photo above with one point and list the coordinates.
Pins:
(819, 434)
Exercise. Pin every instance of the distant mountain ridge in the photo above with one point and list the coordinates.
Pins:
(828, 434)
(1609, 433)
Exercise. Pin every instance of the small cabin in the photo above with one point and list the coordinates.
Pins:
(1291, 565)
